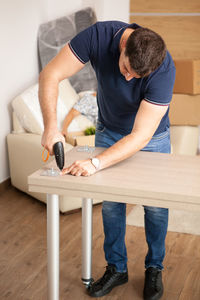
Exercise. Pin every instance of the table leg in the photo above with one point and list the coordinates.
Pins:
(87, 241)
(53, 246)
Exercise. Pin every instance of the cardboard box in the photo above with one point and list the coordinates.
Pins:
(79, 139)
(187, 76)
(185, 110)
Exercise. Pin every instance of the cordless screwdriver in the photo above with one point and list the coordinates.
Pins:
(59, 154)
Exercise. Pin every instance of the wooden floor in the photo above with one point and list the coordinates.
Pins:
(23, 261)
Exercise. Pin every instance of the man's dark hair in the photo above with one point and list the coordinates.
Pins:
(146, 51)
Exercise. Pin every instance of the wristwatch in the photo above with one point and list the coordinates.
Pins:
(96, 163)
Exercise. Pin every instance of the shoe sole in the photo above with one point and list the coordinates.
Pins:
(100, 293)
(157, 297)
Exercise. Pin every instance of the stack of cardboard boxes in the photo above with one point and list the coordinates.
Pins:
(185, 107)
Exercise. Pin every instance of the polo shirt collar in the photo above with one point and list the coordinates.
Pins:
(117, 36)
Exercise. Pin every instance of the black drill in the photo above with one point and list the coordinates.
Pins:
(59, 154)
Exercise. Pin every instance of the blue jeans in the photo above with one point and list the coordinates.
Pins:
(114, 213)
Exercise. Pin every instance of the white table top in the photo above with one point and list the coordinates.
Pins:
(155, 179)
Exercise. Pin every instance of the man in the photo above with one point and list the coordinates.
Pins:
(135, 76)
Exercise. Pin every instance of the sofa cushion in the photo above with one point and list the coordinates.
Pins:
(17, 127)
(27, 109)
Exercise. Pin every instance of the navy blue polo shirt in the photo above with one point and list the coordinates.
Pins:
(118, 100)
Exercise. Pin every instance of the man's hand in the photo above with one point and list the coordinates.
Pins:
(50, 137)
(80, 168)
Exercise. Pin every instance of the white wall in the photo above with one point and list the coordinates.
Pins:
(110, 9)
(20, 20)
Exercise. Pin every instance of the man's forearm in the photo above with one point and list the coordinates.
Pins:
(123, 149)
(146, 122)
(48, 94)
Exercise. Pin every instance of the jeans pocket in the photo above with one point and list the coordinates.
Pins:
(161, 135)
(100, 127)
(159, 143)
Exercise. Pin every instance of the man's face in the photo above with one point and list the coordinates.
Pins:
(125, 68)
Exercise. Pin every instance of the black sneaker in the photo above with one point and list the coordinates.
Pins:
(153, 286)
(105, 284)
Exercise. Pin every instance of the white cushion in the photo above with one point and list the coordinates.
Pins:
(17, 128)
(27, 109)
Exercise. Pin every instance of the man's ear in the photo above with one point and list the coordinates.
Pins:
(124, 43)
